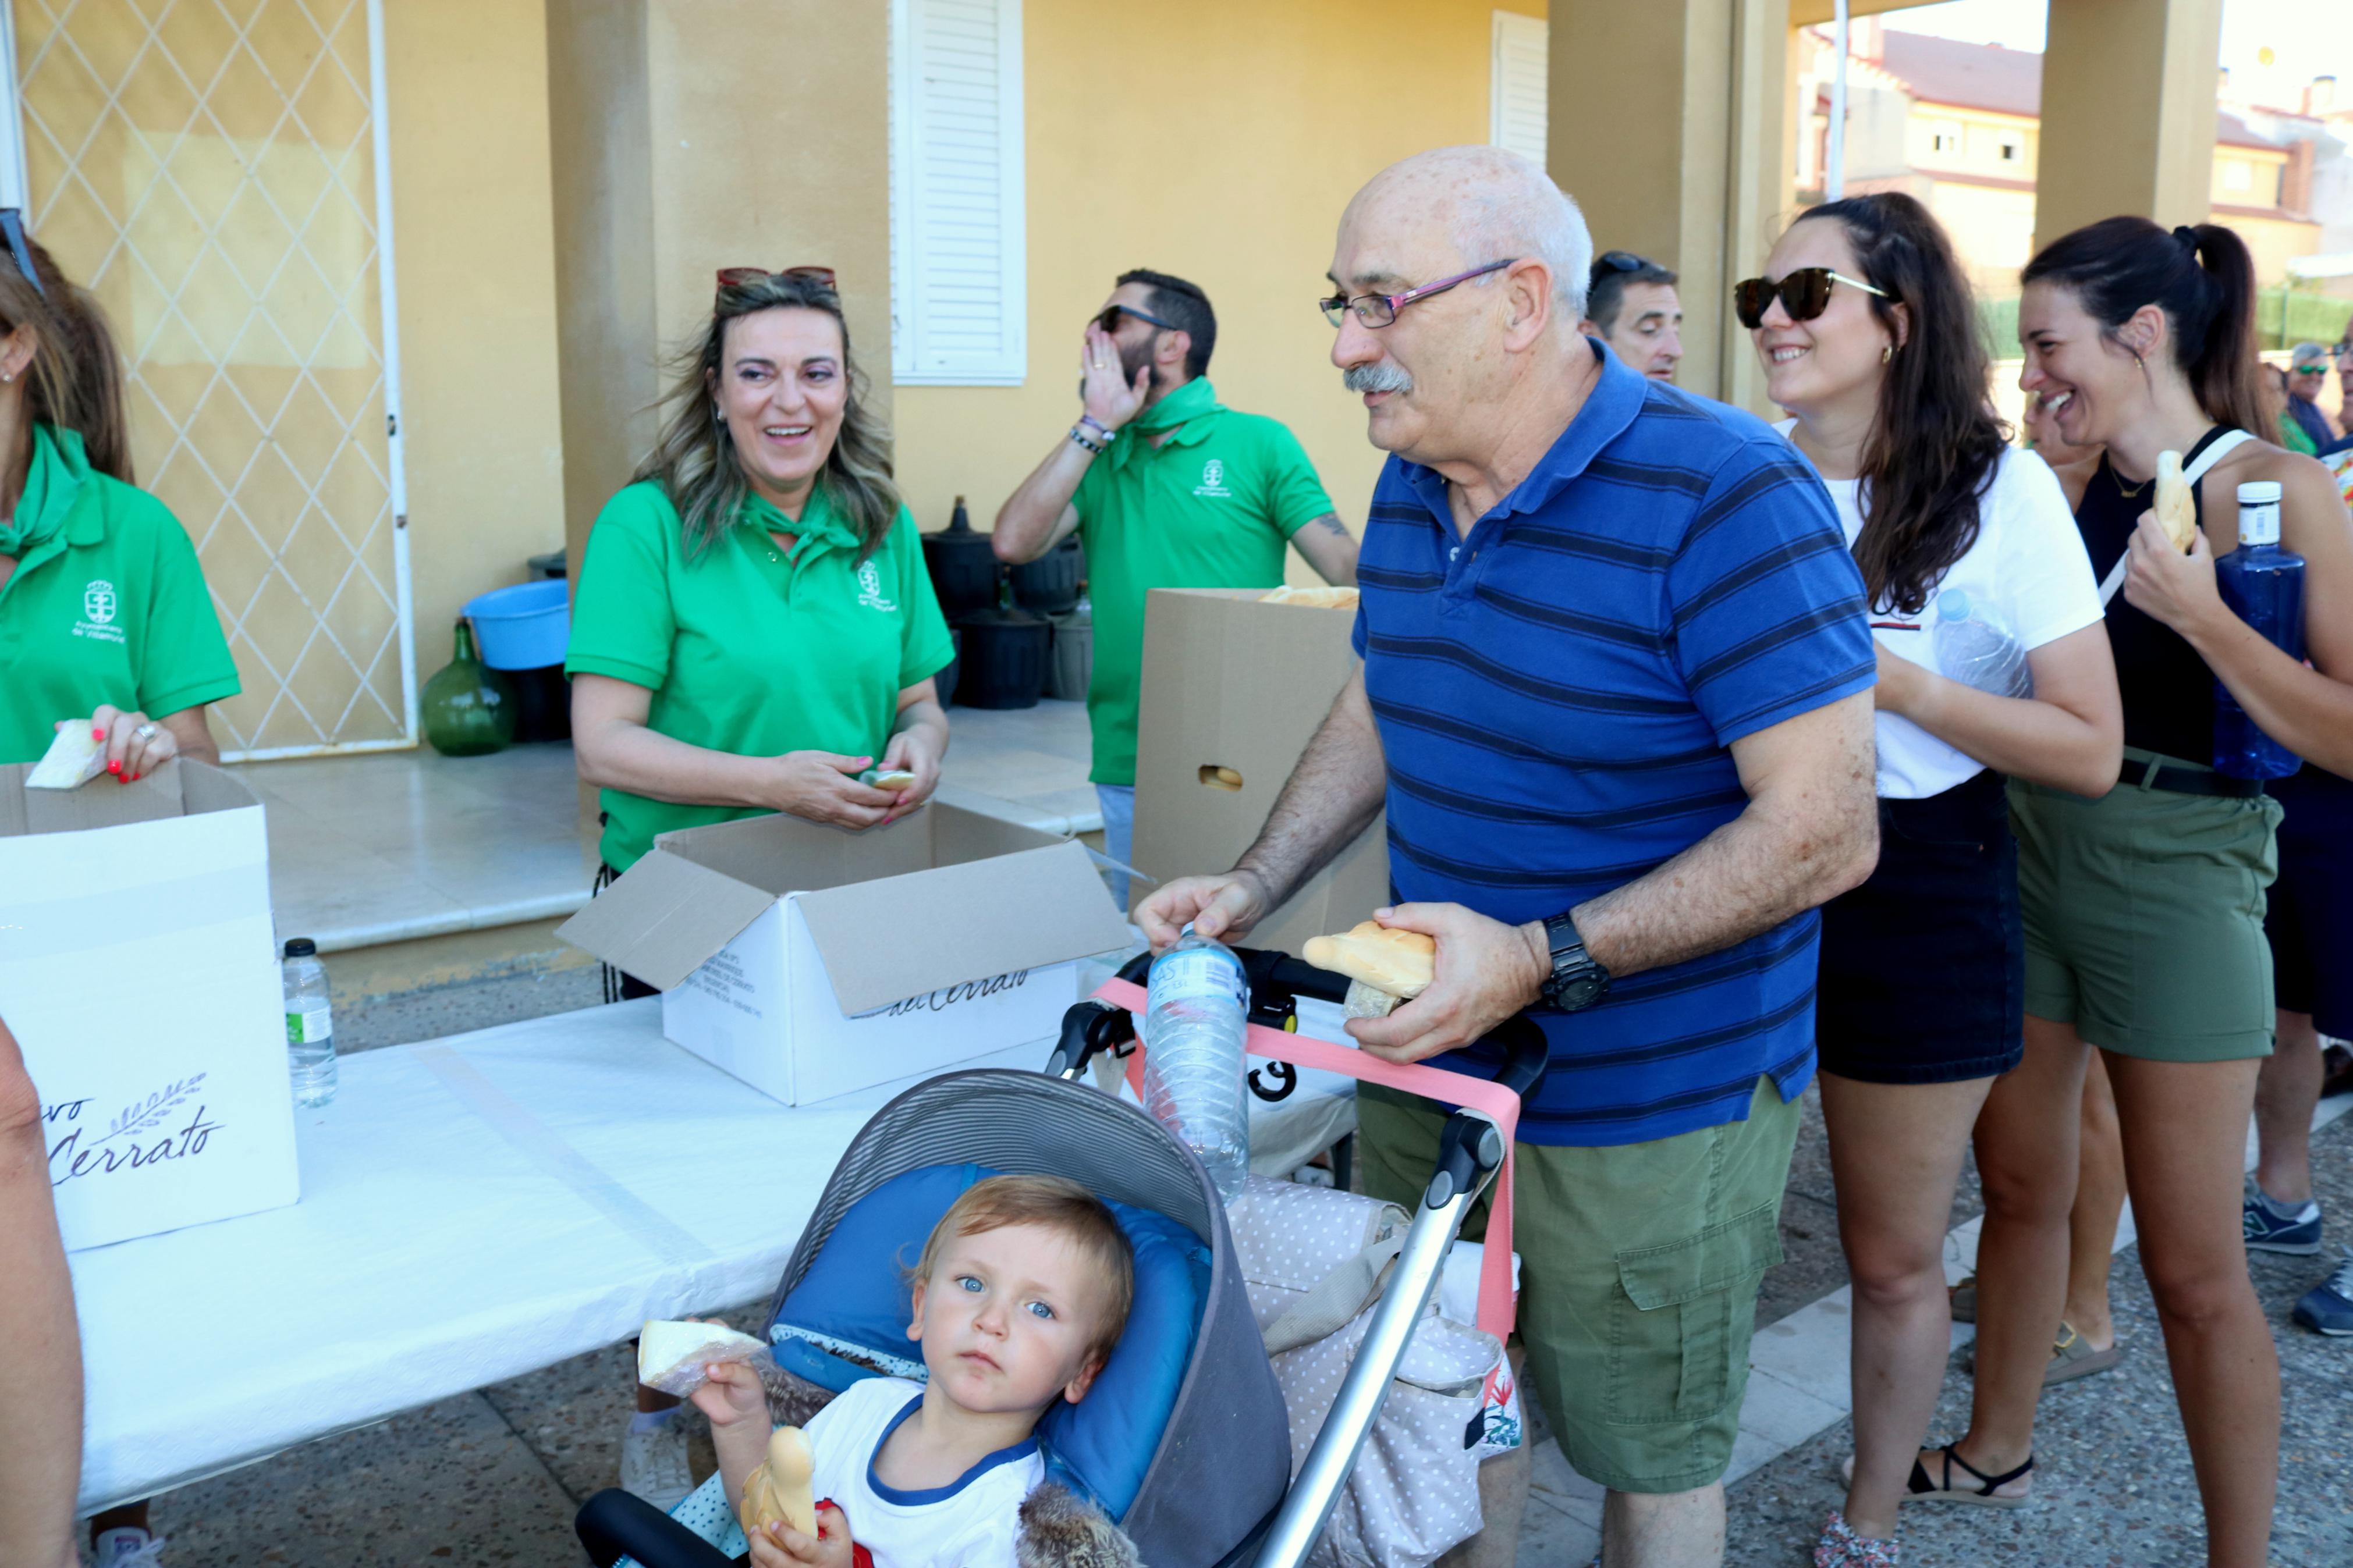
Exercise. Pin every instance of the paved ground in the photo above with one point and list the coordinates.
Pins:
(492, 1478)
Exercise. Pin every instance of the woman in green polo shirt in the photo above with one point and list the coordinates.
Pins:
(104, 619)
(754, 627)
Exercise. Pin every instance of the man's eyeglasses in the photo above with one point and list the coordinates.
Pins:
(1380, 309)
(1804, 294)
(1109, 320)
(747, 277)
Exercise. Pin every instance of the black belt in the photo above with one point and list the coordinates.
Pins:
(2159, 774)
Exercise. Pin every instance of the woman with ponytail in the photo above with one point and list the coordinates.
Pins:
(2144, 904)
(104, 618)
(1868, 335)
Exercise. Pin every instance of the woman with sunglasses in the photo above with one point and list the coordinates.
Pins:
(2144, 904)
(1991, 661)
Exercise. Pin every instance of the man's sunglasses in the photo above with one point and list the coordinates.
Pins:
(1380, 309)
(1109, 320)
(1805, 294)
(750, 276)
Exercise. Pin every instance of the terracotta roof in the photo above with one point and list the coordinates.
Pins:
(2006, 81)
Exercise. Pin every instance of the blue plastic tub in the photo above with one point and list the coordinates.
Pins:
(525, 626)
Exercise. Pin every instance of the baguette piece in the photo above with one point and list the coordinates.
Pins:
(72, 759)
(1400, 963)
(1314, 598)
(2176, 508)
(778, 1491)
(672, 1355)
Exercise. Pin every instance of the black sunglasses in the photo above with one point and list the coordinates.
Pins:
(1109, 320)
(1618, 261)
(1804, 294)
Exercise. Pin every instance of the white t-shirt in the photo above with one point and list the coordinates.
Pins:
(970, 1524)
(2027, 574)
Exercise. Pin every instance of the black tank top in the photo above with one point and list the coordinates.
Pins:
(2168, 693)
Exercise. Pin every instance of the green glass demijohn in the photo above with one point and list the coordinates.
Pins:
(469, 708)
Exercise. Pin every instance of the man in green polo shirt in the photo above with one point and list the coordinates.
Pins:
(1167, 489)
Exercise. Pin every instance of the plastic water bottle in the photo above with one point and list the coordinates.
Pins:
(1975, 653)
(310, 1024)
(2263, 585)
(1193, 1031)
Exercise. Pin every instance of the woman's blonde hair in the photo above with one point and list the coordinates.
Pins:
(74, 380)
(695, 461)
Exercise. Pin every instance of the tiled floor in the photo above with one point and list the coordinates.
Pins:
(392, 846)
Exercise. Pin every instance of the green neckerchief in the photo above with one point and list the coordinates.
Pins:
(1189, 401)
(818, 519)
(53, 478)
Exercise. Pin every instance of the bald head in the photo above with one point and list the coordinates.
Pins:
(1489, 204)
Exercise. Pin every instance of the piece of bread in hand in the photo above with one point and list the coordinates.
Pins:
(1401, 962)
(1314, 598)
(72, 759)
(673, 1355)
(778, 1491)
(2176, 508)
(893, 779)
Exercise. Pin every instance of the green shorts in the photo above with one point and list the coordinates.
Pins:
(1638, 1267)
(2144, 914)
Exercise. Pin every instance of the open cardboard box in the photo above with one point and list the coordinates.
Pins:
(809, 961)
(1235, 685)
(139, 973)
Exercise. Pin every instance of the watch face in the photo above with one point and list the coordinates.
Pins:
(1582, 992)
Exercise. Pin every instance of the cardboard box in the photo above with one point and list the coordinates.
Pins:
(809, 961)
(139, 972)
(1232, 684)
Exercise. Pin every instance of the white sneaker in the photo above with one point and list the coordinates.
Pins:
(130, 1547)
(653, 1466)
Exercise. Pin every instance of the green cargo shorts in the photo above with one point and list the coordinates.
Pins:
(1638, 1267)
(2144, 914)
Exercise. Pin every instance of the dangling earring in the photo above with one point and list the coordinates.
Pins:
(1886, 353)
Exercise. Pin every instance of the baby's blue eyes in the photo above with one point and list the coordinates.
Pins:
(966, 1283)
(1042, 1310)
(973, 1287)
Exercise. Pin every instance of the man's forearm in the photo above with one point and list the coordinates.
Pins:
(1026, 522)
(1331, 794)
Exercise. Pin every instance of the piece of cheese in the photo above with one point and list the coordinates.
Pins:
(1401, 963)
(778, 1491)
(2176, 510)
(672, 1355)
(1364, 1001)
(893, 779)
(1314, 598)
(72, 759)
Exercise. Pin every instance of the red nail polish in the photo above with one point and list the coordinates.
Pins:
(96, 733)
(114, 767)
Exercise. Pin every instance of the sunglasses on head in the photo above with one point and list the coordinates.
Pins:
(1109, 319)
(747, 277)
(1804, 294)
(1620, 261)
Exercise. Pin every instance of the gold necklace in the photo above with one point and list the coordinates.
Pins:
(2131, 492)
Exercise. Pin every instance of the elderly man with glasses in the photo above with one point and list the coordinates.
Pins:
(2308, 373)
(1616, 698)
(1165, 488)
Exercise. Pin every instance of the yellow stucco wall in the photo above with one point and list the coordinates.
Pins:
(467, 84)
(1217, 141)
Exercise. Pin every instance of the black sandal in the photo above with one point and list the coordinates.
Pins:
(1921, 1489)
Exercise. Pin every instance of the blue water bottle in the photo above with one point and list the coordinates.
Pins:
(2263, 585)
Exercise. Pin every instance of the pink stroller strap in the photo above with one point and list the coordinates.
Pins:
(1497, 1306)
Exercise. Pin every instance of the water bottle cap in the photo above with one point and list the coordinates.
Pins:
(2259, 492)
(1953, 605)
(301, 947)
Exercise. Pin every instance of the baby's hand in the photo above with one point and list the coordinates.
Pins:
(733, 1395)
(781, 1546)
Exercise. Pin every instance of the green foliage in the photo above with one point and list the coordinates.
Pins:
(2285, 317)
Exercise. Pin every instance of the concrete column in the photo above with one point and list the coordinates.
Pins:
(1667, 125)
(2127, 112)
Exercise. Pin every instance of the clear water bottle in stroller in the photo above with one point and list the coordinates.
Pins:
(1193, 1073)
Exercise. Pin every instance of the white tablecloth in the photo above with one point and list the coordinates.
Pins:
(474, 1209)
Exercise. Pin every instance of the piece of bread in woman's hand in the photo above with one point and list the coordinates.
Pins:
(1314, 598)
(778, 1491)
(1401, 962)
(72, 759)
(673, 1355)
(2176, 508)
(891, 779)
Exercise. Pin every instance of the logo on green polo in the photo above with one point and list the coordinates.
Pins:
(1213, 479)
(99, 605)
(869, 588)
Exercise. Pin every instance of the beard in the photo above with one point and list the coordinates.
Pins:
(1135, 357)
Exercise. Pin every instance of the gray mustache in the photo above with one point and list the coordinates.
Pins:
(1378, 376)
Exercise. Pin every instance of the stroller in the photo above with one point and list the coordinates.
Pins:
(1183, 1442)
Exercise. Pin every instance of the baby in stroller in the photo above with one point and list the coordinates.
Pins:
(1021, 1293)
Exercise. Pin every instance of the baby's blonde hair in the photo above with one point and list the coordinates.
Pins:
(1066, 1210)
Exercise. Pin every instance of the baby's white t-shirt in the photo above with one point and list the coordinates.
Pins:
(970, 1524)
(2027, 574)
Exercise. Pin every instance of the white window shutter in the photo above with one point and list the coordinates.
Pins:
(1516, 93)
(959, 266)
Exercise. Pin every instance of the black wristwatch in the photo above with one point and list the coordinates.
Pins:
(1576, 982)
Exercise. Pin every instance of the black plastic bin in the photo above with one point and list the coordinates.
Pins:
(944, 682)
(542, 703)
(1004, 661)
(963, 564)
(1049, 584)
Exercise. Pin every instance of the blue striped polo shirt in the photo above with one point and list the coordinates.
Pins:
(1556, 694)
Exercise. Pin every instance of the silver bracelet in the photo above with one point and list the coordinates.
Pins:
(1103, 431)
